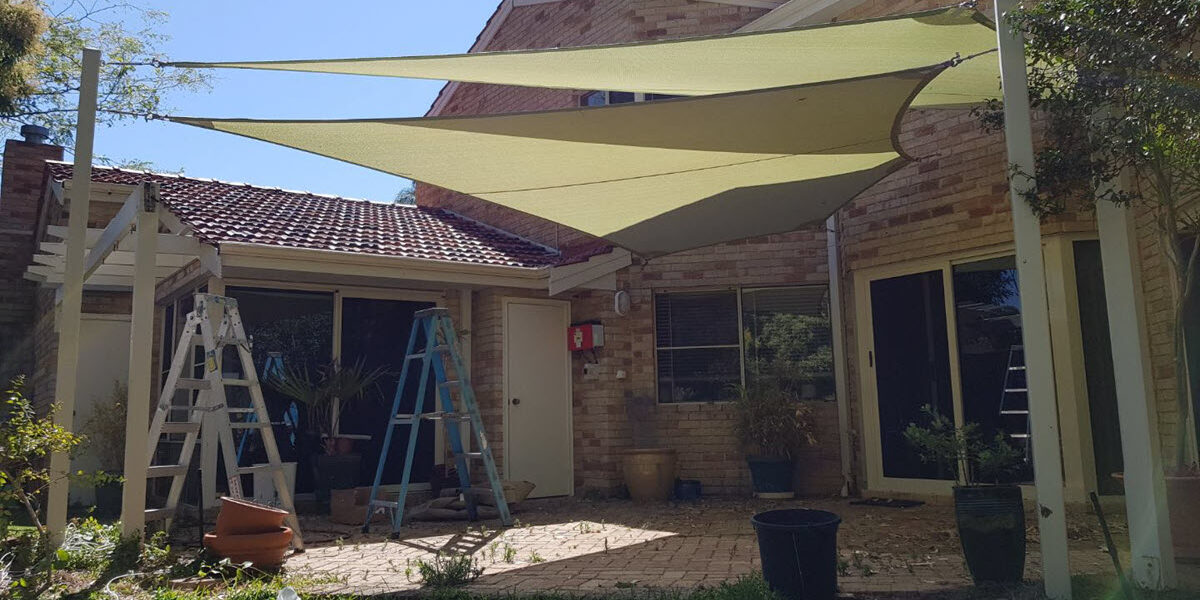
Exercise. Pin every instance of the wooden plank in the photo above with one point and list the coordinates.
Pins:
(72, 304)
(1035, 313)
(141, 366)
(117, 228)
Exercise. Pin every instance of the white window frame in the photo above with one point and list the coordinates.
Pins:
(740, 345)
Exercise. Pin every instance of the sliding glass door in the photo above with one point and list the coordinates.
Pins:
(912, 365)
(946, 339)
(375, 332)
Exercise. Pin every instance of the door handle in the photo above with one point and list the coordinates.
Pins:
(516, 401)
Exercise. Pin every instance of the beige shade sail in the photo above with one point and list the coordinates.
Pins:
(654, 177)
(718, 64)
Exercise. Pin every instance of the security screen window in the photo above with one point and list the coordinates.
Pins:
(710, 342)
(788, 339)
(698, 346)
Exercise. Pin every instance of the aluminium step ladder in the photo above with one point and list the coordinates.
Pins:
(1014, 398)
(213, 324)
(440, 347)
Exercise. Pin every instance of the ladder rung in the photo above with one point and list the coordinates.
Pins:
(385, 504)
(165, 471)
(240, 411)
(267, 468)
(239, 382)
(181, 427)
(1014, 412)
(421, 355)
(159, 514)
(449, 384)
(1019, 436)
(248, 424)
(1016, 390)
(190, 383)
(445, 416)
(403, 419)
(1016, 368)
(472, 454)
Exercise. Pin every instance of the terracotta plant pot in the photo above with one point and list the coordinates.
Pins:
(1183, 496)
(262, 550)
(650, 473)
(241, 517)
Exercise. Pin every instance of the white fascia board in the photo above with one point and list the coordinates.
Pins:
(596, 268)
(255, 256)
(801, 12)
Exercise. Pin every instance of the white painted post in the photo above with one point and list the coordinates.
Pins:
(841, 389)
(141, 341)
(72, 289)
(1035, 315)
(1152, 556)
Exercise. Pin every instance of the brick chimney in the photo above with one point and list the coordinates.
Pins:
(20, 200)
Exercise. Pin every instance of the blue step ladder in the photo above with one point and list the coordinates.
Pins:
(440, 347)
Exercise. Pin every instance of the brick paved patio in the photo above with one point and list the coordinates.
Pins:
(594, 546)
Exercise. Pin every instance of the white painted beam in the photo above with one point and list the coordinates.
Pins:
(1035, 314)
(167, 243)
(55, 274)
(141, 366)
(118, 227)
(119, 257)
(1153, 558)
(72, 305)
(568, 277)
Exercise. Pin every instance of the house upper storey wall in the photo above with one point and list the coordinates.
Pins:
(567, 23)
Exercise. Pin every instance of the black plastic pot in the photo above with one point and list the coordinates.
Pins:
(336, 472)
(799, 552)
(991, 525)
(771, 477)
(108, 498)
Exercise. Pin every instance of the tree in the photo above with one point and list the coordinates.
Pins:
(1119, 83)
(406, 195)
(26, 442)
(40, 47)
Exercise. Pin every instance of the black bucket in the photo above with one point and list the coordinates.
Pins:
(798, 547)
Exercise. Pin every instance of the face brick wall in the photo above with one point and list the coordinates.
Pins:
(21, 194)
(700, 432)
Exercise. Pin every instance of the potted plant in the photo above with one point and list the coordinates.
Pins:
(105, 432)
(325, 395)
(990, 514)
(771, 425)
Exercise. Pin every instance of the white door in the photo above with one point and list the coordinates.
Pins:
(537, 385)
(103, 362)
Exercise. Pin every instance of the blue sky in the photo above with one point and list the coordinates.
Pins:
(252, 29)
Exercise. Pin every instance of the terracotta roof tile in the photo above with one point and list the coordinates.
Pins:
(221, 211)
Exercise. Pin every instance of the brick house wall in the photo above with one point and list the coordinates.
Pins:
(21, 194)
(953, 200)
(700, 432)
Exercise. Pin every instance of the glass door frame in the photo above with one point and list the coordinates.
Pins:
(341, 292)
(1075, 433)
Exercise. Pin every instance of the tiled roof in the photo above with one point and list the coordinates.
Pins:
(221, 211)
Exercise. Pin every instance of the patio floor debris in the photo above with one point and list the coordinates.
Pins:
(595, 546)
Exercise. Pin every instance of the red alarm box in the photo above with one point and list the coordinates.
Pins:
(585, 337)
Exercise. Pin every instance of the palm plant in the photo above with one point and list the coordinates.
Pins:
(325, 393)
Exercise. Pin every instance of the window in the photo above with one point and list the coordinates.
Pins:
(602, 98)
(788, 339)
(708, 342)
